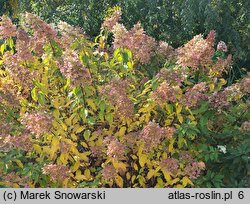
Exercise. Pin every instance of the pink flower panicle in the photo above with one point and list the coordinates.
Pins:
(195, 94)
(192, 168)
(153, 134)
(37, 123)
(196, 54)
(109, 22)
(109, 172)
(115, 149)
(131, 139)
(221, 65)
(57, 173)
(166, 51)
(97, 151)
(222, 46)
(72, 68)
(218, 100)
(116, 93)
(141, 45)
(245, 85)
(233, 92)
(70, 31)
(170, 165)
(13, 178)
(7, 28)
(21, 75)
(42, 32)
(22, 142)
(211, 37)
(164, 94)
(172, 76)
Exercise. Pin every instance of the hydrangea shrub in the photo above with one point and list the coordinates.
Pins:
(76, 113)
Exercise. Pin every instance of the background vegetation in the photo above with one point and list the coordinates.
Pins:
(174, 21)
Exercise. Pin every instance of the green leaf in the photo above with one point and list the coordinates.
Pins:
(41, 98)
(109, 118)
(33, 94)
(86, 135)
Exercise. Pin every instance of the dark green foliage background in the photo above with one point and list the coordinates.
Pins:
(175, 21)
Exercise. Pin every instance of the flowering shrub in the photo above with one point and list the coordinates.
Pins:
(77, 113)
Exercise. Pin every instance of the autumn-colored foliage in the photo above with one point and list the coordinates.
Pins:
(77, 113)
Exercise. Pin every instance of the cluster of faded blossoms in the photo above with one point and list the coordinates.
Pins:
(116, 93)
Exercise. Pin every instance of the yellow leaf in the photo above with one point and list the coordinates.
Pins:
(56, 113)
(37, 148)
(91, 103)
(64, 158)
(87, 174)
(74, 137)
(141, 180)
(169, 108)
(65, 183)
(122, 131)
(174, 181)
(64, 127)
(54, 147)
(19, 163)
(133, 178)
(180, 118)
(120, 165)
(171, 145)
(143, 159)
(84, 144)
(80, 129)
(150, 174)
(160, 183)
(68, 122)
(76, 166)
(211, 87)
(185, 181)
(79, 176)
(84, 156)
(56, 102)
(128, 176)
(178, 108)
(135, 167)
(119, 181)
(178, 186)
(166, 176)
